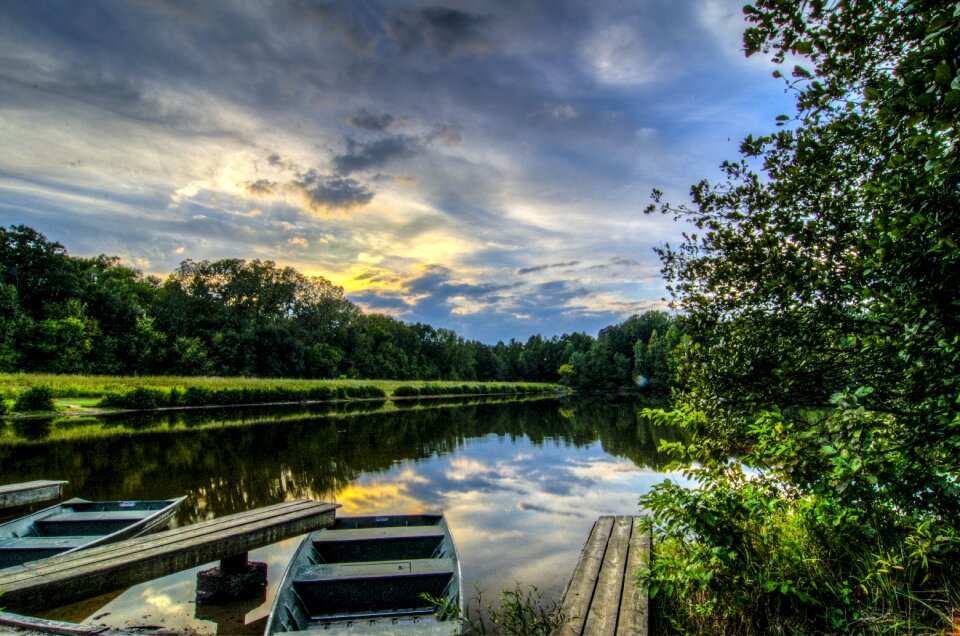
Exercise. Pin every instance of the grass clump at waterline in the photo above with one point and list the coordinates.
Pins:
(79, 393)
(520, 612)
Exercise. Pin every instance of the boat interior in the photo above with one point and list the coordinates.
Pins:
(365, 572)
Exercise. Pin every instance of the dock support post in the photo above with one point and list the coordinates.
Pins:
(235, 579)
(234, 564)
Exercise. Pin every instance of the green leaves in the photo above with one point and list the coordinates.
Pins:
(822, 294)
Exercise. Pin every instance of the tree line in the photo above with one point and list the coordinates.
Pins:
(65, 314)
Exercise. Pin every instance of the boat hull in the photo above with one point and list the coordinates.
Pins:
(370, 575)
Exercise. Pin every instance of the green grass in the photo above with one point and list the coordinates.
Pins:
(79, 392)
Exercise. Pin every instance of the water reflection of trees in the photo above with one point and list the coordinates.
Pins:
(235, 468)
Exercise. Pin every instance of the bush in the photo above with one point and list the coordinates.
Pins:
(368, 391)
(39, 398)
(197, 396)
(139, 398)
(406, 391)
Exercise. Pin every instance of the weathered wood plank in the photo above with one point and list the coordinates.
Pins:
(604, 609)
(66, 578)
(634, 606)
(192, 537)
(196, 530)
(29, 492)
(579, 593)
(31, 625)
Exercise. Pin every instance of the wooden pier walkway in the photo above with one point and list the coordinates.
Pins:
(602, 597)
(29, 492)
(67, 578)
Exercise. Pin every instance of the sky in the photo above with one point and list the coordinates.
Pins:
(481, 166)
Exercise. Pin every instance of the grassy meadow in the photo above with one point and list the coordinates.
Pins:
(78, 393)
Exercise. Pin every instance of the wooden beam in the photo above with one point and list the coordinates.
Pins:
(68, 578)
(30, 492)
(605, 606)
(579, 592)
(635, 604)
(31, 625)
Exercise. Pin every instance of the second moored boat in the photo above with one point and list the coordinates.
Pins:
(370, 575)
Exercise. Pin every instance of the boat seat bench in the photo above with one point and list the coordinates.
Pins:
(89, 523)
(357, 588)
(122, 515)
(378, 544)
(30, 543)
(338, 572)
(386, 533)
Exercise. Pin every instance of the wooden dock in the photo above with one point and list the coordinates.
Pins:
(602, 597)
(68, 578)
(29, 492)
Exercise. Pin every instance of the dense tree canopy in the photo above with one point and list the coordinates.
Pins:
(64, 314)
(822, 287)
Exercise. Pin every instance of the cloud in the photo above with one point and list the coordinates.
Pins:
(364, 156)
(540, 268)
(442, 29)
(618, 261)
(331, 192)
(261, 187)
(335, 21)
(368, 121)
(562, 112)
(618, 55)
(222, 121)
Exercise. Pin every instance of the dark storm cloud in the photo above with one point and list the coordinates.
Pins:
(369, 121)
(616, 261)
(332, 192)
(537, 508)
(261, 186)
(540, 268)
(440, 285)
(442, 29)
(364, 156)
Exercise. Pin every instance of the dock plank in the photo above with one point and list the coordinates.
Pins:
(67, 578)
(635, 604)
(12, 495)
(605, 606)
(579, 592)
(602, 597)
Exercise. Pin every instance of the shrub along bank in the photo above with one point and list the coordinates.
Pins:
(147, 398)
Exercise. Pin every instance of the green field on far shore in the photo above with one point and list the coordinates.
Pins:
(79, 392)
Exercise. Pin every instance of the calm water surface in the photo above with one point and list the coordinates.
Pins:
(521, 483)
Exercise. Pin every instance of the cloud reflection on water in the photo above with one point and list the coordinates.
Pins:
(520, 511)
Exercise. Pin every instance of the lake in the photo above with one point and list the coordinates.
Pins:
(520, 482)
